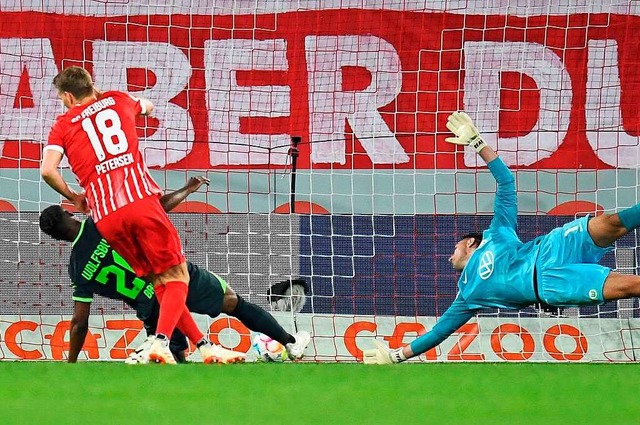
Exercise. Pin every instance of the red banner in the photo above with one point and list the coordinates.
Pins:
(362, 88)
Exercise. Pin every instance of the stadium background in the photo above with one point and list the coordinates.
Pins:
(368, 88)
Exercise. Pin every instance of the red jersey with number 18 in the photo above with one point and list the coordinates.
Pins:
(101, 144)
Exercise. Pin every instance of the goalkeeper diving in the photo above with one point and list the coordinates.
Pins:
(498, 270)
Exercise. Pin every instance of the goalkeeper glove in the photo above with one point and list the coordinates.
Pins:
(460, 124)
(382, 355)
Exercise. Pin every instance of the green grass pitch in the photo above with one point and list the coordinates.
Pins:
(305, 393)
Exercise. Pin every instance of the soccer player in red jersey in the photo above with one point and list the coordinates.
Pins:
(98, 136)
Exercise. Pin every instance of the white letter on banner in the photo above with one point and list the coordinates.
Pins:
(606, 136)
(36, 57)
(174, 137)
(227, 101)
(329, 105)
(483, 62)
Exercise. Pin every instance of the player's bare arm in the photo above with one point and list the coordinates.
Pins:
(171, 200)
(78, 329)
(51, 175)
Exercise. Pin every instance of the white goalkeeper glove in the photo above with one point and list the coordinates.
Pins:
(382, 355)
(460, 124)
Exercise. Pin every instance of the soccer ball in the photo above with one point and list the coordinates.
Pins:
(268, 349)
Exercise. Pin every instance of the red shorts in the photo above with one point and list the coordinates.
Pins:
(142, 234)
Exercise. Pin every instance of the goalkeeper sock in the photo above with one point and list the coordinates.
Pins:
(172, 306)
(258, 320)
(630, 217)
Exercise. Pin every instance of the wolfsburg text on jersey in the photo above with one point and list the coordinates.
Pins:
(95, 260)
(113, 163)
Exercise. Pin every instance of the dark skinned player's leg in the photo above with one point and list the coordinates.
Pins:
(254, 317)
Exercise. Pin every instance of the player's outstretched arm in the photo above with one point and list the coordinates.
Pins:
(461, 124)
(172, 199)
(456, 315)
(78, 329)
(506, 203)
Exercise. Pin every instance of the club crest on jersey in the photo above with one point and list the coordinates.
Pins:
(485, 269)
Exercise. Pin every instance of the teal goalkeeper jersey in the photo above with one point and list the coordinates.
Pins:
(499, 274)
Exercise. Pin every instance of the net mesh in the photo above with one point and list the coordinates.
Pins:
(367, 86)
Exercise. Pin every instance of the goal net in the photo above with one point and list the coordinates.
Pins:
(368, 211)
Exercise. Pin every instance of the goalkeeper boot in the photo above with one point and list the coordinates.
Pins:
(296, 349)
(141, 354)
(160, 352)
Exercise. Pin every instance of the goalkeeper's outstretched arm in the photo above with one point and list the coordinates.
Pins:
(456, 315)
(506, 202)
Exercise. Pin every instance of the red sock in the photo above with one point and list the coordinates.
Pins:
(188, 327)
(159, 290)
(185, 324)
(172, 300)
